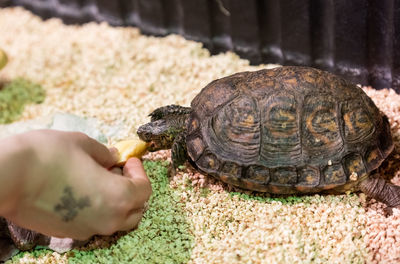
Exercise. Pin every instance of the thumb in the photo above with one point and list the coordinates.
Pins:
(134, 170)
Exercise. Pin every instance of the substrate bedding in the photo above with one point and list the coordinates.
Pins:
(119, 76)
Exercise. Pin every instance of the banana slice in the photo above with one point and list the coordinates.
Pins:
(130, 148)
(3, 59)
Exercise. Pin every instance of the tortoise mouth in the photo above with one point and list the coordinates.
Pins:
(154, 146)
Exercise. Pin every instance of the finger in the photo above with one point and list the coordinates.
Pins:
(141, 186)
(99, 152)
(132, 221)
(128, 192)
(125, 196)
(134, 170)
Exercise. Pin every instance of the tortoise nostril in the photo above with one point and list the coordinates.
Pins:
(140, 130)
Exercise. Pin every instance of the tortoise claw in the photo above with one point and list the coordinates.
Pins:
(388, 211)
(171, 171)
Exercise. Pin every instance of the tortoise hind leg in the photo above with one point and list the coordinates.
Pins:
(382, 191)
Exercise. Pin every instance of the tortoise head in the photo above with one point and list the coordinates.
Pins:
(166, 123)
(160, 134)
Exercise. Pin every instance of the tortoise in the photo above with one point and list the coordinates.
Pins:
(287, 130)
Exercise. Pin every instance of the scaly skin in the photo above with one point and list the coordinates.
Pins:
(166, 124)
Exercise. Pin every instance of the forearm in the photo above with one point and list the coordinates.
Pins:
(14, 160)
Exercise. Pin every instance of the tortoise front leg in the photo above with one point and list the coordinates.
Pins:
(382, 191)
(179, 151)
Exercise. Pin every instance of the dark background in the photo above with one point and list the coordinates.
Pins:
(358, 39)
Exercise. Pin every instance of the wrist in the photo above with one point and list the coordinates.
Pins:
(15, 158)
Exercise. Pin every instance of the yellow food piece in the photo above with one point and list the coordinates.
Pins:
(3, 59)
(129, 149)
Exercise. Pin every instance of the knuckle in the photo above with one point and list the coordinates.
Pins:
(117, 208)
(129, 188)
(79, 136)
(122, 207)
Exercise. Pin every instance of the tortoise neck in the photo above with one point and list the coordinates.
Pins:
(178, 123)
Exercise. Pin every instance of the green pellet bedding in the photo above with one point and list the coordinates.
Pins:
(118, 76)
(15, 95)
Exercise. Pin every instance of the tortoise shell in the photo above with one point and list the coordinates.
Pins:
(287, 130)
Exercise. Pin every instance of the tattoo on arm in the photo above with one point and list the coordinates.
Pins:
(68, 207)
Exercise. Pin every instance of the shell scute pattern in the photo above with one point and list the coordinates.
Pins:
(334, 175)
(373, 157)
(210, 161)
(216, 94)
(236, 126)
(287, 130)
(258, 174)
(308, 177)
(354, 166)
(195, 147)
(231, 169)
(280, 142)
(284, 176)
(357, 122)
(320, 126)
(385, 143)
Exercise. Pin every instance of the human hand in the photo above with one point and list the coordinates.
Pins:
(64, 187)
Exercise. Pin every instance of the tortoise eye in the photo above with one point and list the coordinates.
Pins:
(146, 135)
